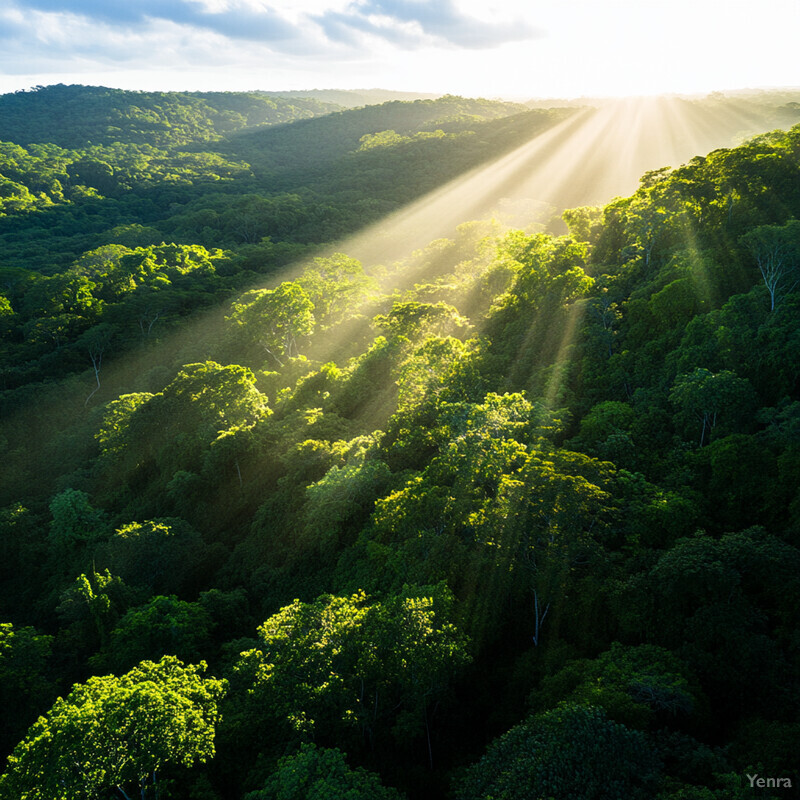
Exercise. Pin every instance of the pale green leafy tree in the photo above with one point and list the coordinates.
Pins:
(113, 735)
(413, 320)
(345, 664)
(274, 319)
(337, 286)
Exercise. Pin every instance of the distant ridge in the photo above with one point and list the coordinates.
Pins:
(352, 98)
(72, 116)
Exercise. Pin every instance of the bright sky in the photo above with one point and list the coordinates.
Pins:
(510, 48)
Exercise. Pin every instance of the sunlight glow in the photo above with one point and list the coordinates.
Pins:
(574, 48)
(586, 159)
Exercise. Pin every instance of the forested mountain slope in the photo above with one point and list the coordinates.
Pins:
(74, 116)
(515, 516)
(99, 163)
(69, 216)
(344, 132)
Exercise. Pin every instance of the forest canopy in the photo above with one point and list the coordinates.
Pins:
(517, 512)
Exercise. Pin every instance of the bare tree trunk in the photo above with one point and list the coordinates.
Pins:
(269, 352)
(97, 361)
(538, 617)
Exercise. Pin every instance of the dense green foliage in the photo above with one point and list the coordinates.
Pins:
(321, 774)
(71, 116)
(515, 517)
(569, 752)
(112, 732)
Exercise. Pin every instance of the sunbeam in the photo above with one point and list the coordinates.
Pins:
(435, 439)
(588, 158)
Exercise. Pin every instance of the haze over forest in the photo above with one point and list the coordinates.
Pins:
(439, 440)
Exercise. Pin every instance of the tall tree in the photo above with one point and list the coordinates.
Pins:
(572, 751)
(319, 773)
(112, 735)
(776, 250)
(275, 319)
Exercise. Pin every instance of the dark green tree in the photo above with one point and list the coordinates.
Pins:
(572, 751)
(318, 773)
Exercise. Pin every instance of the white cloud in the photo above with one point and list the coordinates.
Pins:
(555, 48)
